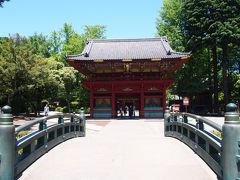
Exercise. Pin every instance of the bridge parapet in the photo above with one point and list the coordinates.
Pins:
(222, 151)
(17, 154)
(231, 144)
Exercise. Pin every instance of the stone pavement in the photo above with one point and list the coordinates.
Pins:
(121, 150)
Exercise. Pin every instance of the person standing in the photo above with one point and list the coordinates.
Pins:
(130, 111)
(134, 108)
(121, 112)
(125, 110)
(46, 110)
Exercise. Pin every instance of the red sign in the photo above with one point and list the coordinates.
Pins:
(185, 101)
(176, 107)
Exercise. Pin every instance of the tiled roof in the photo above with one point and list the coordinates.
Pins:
(115, 49)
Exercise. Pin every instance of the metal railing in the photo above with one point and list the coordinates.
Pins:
(204, 137)
(42, 135)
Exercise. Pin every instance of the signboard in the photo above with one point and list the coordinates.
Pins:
(186, 101)
(176, 107)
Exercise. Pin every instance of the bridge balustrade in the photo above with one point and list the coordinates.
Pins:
(218, 146)
(43, 134)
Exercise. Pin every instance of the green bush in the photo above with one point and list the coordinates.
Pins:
(87, 110)
(216, 133)
(74, 105)
(44, 102)
(21, 134)
(59, 109)
(65, 109)
(76, 110)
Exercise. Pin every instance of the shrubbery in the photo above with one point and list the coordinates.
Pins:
(59, 109)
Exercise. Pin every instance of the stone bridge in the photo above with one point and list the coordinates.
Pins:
(67, 146)
(121, 150)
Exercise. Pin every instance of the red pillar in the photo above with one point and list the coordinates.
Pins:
(113, 105)
(142, 102)
(164, 98)
(91, 101)
(113, 102)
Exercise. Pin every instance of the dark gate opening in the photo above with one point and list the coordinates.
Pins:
(127, 106)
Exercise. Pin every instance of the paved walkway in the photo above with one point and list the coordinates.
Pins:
(121, 150)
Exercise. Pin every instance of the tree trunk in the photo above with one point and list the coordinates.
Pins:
(239, 67)
(225, 74)
(9, 99)
(215, 80)
(38, 107)
(34, 108)
(210, 88)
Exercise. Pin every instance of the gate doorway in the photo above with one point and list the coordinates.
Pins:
(127, 106)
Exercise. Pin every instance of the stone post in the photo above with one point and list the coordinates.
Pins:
(61, 120)
(83, 120)
(231, 144)
(7, 144)
(200, 125)
(166, 120)
(42, 125)
(185, 118)
(82, 115)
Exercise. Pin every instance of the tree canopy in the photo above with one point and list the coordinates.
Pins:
(2, 1)
(168, 23)
(210, 30)
(34, 69)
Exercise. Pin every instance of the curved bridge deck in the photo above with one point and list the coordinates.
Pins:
(121, 150)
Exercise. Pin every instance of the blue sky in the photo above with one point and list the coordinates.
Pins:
(123, 18)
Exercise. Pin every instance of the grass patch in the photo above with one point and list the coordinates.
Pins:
(216, 133)
(20, 135)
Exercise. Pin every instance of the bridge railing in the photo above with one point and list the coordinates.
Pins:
(218, 146)
(42, 134)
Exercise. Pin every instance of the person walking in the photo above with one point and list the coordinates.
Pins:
(46, 110)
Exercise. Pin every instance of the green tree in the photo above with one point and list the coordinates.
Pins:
(212, 23)
(193, 78)
(16, 58)
(234, 74)
(236, 92)
(46, 83)
(187, 79)
(72, 42)
(25, 78)
(2, 1)
(196, 20)
(168, 23)
(69, 78)
(34, 69)
(55, 45)
(94, 32)
(6, 69)
(40, 45)
(227, 32)
(67, 41)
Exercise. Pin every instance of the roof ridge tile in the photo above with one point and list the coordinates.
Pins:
(125, 40)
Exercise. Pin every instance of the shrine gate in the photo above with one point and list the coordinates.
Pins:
(128, 73)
